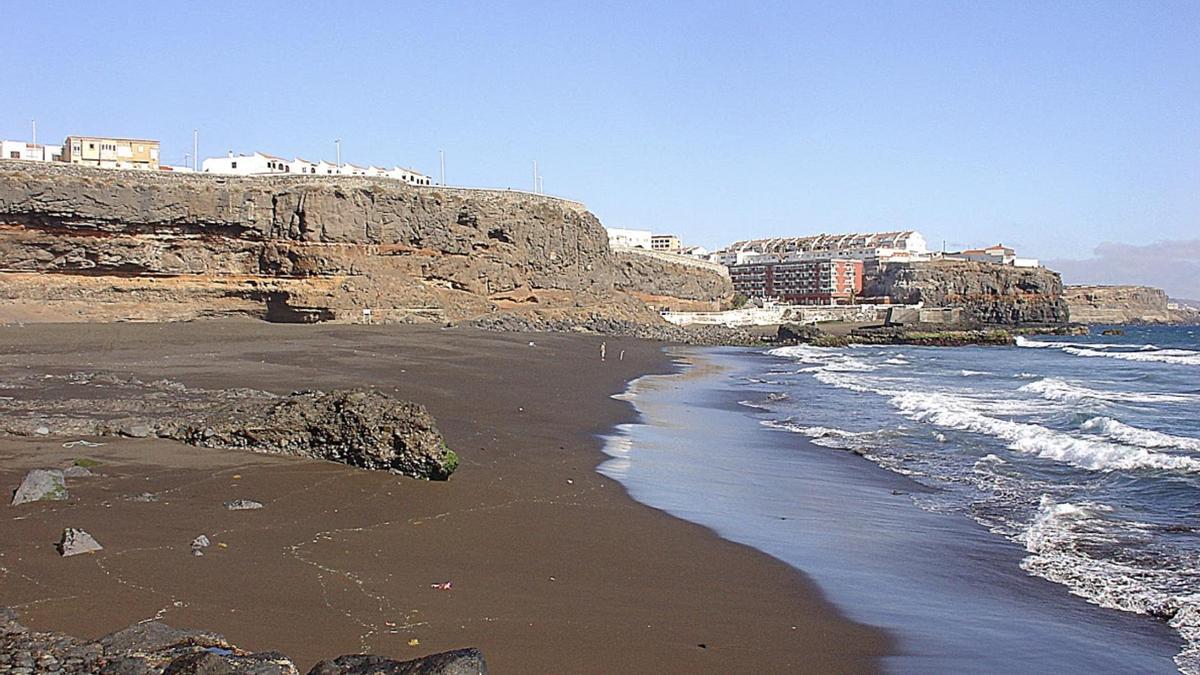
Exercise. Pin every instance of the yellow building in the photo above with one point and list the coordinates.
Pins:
(111, 153)
(665, 242)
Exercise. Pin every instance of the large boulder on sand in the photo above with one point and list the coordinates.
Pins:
(458, 662)
(41, 485)
(360, 427)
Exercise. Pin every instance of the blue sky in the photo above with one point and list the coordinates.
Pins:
(1056, 127)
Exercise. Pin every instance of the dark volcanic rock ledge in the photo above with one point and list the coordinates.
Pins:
(154, 648)
(305, 248)
(362, 428)
(990, 293)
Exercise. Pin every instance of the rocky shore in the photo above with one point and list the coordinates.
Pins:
(932, 335)
(154, 648)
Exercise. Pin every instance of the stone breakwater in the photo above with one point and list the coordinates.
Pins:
(91, 244)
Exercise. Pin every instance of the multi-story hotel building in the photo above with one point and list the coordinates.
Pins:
(831, 281)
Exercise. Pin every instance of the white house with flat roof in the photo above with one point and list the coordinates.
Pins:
(622, 238)
(35, 152)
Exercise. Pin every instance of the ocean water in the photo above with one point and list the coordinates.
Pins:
(999, 509)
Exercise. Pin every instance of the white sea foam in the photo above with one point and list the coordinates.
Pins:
(1057, 389)
(825, 436)
(805, 353)
(972, 373)
(1130, 435)
(1184, 357)
(844, 380)
(1022, 341)
(1058, 540)
(954, 413)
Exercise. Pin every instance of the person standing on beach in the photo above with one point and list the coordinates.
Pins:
(603, 350)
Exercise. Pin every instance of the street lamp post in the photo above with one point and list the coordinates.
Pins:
(337, 144)
(442, 160)
(195, 148)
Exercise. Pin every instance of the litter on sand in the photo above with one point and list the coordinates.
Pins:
(444, 586)
(81, 444)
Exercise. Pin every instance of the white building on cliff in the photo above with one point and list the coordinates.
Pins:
(622, 238)
(262, 164)
(257, 164)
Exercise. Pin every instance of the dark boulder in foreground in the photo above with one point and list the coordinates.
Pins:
(153, 647)
(360, 427)
(458, 662)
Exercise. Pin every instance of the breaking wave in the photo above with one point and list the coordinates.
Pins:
(1184, 357)
(949, 412)
(1057, 389)
(1146, 438)
(1143, 353)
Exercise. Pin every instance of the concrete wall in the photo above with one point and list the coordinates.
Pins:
(778, 314)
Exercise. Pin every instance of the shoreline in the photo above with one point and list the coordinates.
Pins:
(555, 567)
(952, 593)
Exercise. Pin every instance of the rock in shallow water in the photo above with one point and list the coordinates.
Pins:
(41, 485)
(243, 505)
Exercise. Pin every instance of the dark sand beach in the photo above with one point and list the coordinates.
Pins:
(554, 568)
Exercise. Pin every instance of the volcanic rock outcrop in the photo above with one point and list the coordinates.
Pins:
(1119, 304)
(990, 293)
(93, 244)
(154, 648)
(359, 427)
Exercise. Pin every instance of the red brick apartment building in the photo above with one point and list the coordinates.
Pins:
(832, 281)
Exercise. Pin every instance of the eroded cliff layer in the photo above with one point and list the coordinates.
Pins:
(320, 247)
(990, 293)
(1118, 304)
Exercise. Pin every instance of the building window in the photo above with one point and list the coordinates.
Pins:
(233, 165)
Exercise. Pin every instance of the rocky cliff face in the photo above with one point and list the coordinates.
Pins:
(991, 294)
(326, 247)
(676, 286)
(1118, 304)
